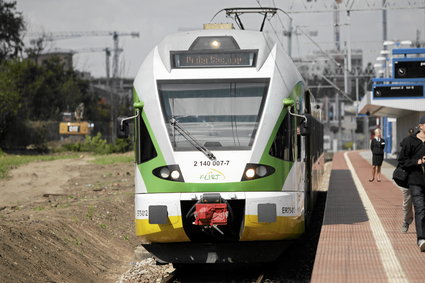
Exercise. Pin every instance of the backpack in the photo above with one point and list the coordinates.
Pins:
(400, 177)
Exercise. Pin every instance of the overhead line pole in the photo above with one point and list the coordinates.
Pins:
(290, 38)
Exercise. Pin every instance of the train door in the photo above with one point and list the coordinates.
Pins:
(308, 200)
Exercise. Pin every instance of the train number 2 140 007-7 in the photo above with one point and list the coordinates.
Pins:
(211, 163)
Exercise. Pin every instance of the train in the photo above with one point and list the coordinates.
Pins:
(228, 148)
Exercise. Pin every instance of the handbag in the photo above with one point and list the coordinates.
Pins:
(400, 177)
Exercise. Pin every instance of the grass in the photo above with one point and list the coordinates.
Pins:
(75, 219)
(90, 212)
(77, 242)
(114, 158)
(65, 205)
(38, 208)
(10, 161)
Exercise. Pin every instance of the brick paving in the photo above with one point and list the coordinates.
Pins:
(347, 251)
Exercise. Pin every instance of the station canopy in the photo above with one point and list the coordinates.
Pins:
(390, 107)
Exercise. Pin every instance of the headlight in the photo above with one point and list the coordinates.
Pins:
(164, 173)
(250, 173)
(175, 175)
(169, 172)
(261, 171)
(255, 171)
(215, 44)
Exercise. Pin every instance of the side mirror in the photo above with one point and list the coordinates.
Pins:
(123, 130)
(305, 127)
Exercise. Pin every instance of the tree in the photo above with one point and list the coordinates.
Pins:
(33, 92)
(9, 97)
(48, 89)
(11, 27)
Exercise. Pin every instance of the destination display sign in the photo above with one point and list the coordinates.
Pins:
(238, 58)
(409, 69)
(398, 91)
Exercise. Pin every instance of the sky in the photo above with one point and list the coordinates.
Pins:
(156, 19)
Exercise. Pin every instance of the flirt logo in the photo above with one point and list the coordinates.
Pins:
(212, 175)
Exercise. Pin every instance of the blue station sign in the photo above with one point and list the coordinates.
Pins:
(408, 68)
(398, 91)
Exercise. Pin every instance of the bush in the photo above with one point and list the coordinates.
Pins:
(122, 145)
(98, 145)
(25, 134)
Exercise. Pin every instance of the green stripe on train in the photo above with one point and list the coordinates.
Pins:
(282, 167)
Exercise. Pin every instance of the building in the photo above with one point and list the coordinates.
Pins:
(399, 94)
(65, 57)
(326, 77)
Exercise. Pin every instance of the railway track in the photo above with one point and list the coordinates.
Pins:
(171, 278)
(175, 278)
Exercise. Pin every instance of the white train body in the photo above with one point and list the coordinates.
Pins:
(230, 100)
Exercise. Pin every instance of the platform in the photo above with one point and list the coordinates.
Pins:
(361, 240)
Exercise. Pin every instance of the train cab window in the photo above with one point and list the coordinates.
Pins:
(218, 114)
(284, 145)
(145, 149)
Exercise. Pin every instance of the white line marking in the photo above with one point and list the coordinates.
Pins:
(392, 266)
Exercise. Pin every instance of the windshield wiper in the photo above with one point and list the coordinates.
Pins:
(191, 139)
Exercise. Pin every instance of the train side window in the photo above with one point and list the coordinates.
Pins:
(283, 144)
(316, 141)
(145, 149)
(299, 141)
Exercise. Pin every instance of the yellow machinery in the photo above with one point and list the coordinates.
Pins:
(78, 127)
(74, 128)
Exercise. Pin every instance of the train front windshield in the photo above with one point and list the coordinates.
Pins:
(218, 114)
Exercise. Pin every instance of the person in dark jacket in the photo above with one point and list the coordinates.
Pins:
(412, 159)
(407, 199)
(377, 146)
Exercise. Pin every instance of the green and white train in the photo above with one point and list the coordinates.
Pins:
(229, 148)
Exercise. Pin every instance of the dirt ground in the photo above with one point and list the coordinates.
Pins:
(72, 221)
(67, 221)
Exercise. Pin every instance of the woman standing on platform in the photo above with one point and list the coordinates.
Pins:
(377, 146)
(412, 159)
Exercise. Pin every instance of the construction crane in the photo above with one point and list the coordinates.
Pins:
(107, 51)
(53, 36)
